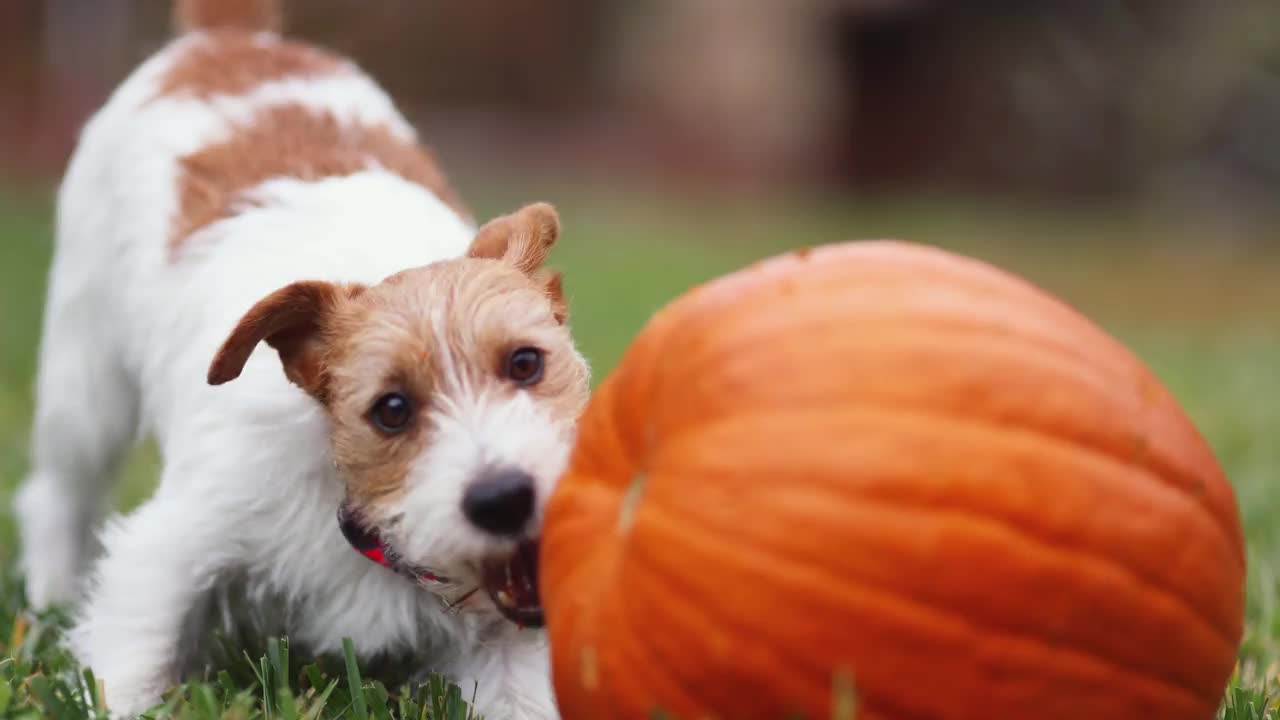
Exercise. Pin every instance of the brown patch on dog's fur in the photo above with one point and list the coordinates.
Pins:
(232, 62)
(378, 354)
(263, 15)
(291, 141)
(433, 333)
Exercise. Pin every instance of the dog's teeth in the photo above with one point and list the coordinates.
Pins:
(505, 599)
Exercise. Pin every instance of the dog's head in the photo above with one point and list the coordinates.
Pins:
(452, 391)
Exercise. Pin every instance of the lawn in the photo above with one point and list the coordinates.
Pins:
(1203, 311)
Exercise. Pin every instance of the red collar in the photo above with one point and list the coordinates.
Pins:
(368, 543)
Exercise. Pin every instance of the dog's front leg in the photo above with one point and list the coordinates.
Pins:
(511, 678)
(156, 565)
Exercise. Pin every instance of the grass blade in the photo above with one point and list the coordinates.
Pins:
(358, 706)
(319, 704)
(378, 696)
(278, 652)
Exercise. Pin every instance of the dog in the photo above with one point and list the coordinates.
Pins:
(361, 396)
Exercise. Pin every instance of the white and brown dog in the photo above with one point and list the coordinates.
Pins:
(243, 202)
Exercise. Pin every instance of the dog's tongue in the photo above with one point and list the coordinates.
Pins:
(512, 583)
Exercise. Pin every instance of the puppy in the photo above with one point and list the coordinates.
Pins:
(362, 401)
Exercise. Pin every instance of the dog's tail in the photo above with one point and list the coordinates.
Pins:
(256, 15)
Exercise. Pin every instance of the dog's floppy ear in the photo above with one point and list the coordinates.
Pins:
(524, 239)
(293, 320)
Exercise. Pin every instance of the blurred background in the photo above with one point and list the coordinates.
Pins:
(1124, 154)
(1171, 103)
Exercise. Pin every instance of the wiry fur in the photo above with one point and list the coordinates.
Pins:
(255, 469)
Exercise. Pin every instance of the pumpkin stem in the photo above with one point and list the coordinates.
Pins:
(631, 501)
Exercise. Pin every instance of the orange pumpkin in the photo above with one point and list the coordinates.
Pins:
(889, 466)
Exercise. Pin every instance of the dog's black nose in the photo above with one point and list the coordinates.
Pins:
(500, 501)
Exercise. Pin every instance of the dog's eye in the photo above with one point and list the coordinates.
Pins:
(391, 413)
(525, 366)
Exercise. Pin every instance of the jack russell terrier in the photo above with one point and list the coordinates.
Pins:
(257, 264)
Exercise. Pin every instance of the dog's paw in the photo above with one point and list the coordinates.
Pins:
(123, 695)
(94, 700)
(48, 587)
(128, 703)
(518, 708)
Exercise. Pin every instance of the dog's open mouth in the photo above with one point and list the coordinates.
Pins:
(512, 584)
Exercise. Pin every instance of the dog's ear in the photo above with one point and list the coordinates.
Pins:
(553, 283)
(524, 239)
(294, 321)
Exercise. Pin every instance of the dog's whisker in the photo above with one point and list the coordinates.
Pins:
(456, 605)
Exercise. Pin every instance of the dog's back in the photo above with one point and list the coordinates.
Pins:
(229, 164)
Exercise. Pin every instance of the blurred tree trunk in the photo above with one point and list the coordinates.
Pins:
(750, 85)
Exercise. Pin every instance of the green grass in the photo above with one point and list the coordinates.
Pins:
(39, 679)
(1205, 315)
